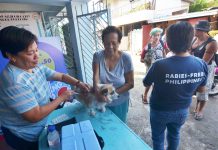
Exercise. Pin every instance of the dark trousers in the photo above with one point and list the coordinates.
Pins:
(18, 143)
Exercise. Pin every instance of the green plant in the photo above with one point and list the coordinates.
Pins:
(213, 3)
(200, 5)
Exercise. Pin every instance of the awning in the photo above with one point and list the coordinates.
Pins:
(185, 16)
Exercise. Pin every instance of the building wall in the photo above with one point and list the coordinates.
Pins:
(123, 12)
(164, 8)
(166, 4)
(136, 40)
(145, 34)
(118, 3)
(125, 7)
(193, 21)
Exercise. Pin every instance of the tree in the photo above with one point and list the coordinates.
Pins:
(200, 5)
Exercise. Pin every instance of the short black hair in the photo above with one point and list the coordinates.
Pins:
(111, 29)
(180, 36)
(14, 40)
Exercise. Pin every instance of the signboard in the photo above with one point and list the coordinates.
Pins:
(31, 21)
(3, 62)
(50, 54)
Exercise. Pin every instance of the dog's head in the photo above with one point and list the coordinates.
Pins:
(108, 90)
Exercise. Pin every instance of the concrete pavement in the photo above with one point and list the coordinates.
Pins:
(195, 135)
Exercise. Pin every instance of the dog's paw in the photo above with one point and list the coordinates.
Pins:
(109, 100)
(92, 113)
(102, 109)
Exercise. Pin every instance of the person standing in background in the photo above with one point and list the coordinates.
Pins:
(204, 47)
(153, 51)
(174, 81)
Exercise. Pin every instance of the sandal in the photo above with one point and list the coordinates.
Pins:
(198, 117)
(193, 112)
(143, 101)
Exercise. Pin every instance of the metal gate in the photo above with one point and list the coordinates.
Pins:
(59, 26)
(90, 26)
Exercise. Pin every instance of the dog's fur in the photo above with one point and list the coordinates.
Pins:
(90, 99)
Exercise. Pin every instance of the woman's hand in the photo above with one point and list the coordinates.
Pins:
(39, 112)
(83, 86)
(66, 96)
(70, 80)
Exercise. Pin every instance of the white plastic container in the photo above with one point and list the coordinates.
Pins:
(79, 136)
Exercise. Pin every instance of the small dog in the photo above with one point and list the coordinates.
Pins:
(90, 99)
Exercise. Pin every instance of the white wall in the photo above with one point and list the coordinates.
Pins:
(166, 4)
(118, 3)
(165, 8)
(133, 17)
(136, 41)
